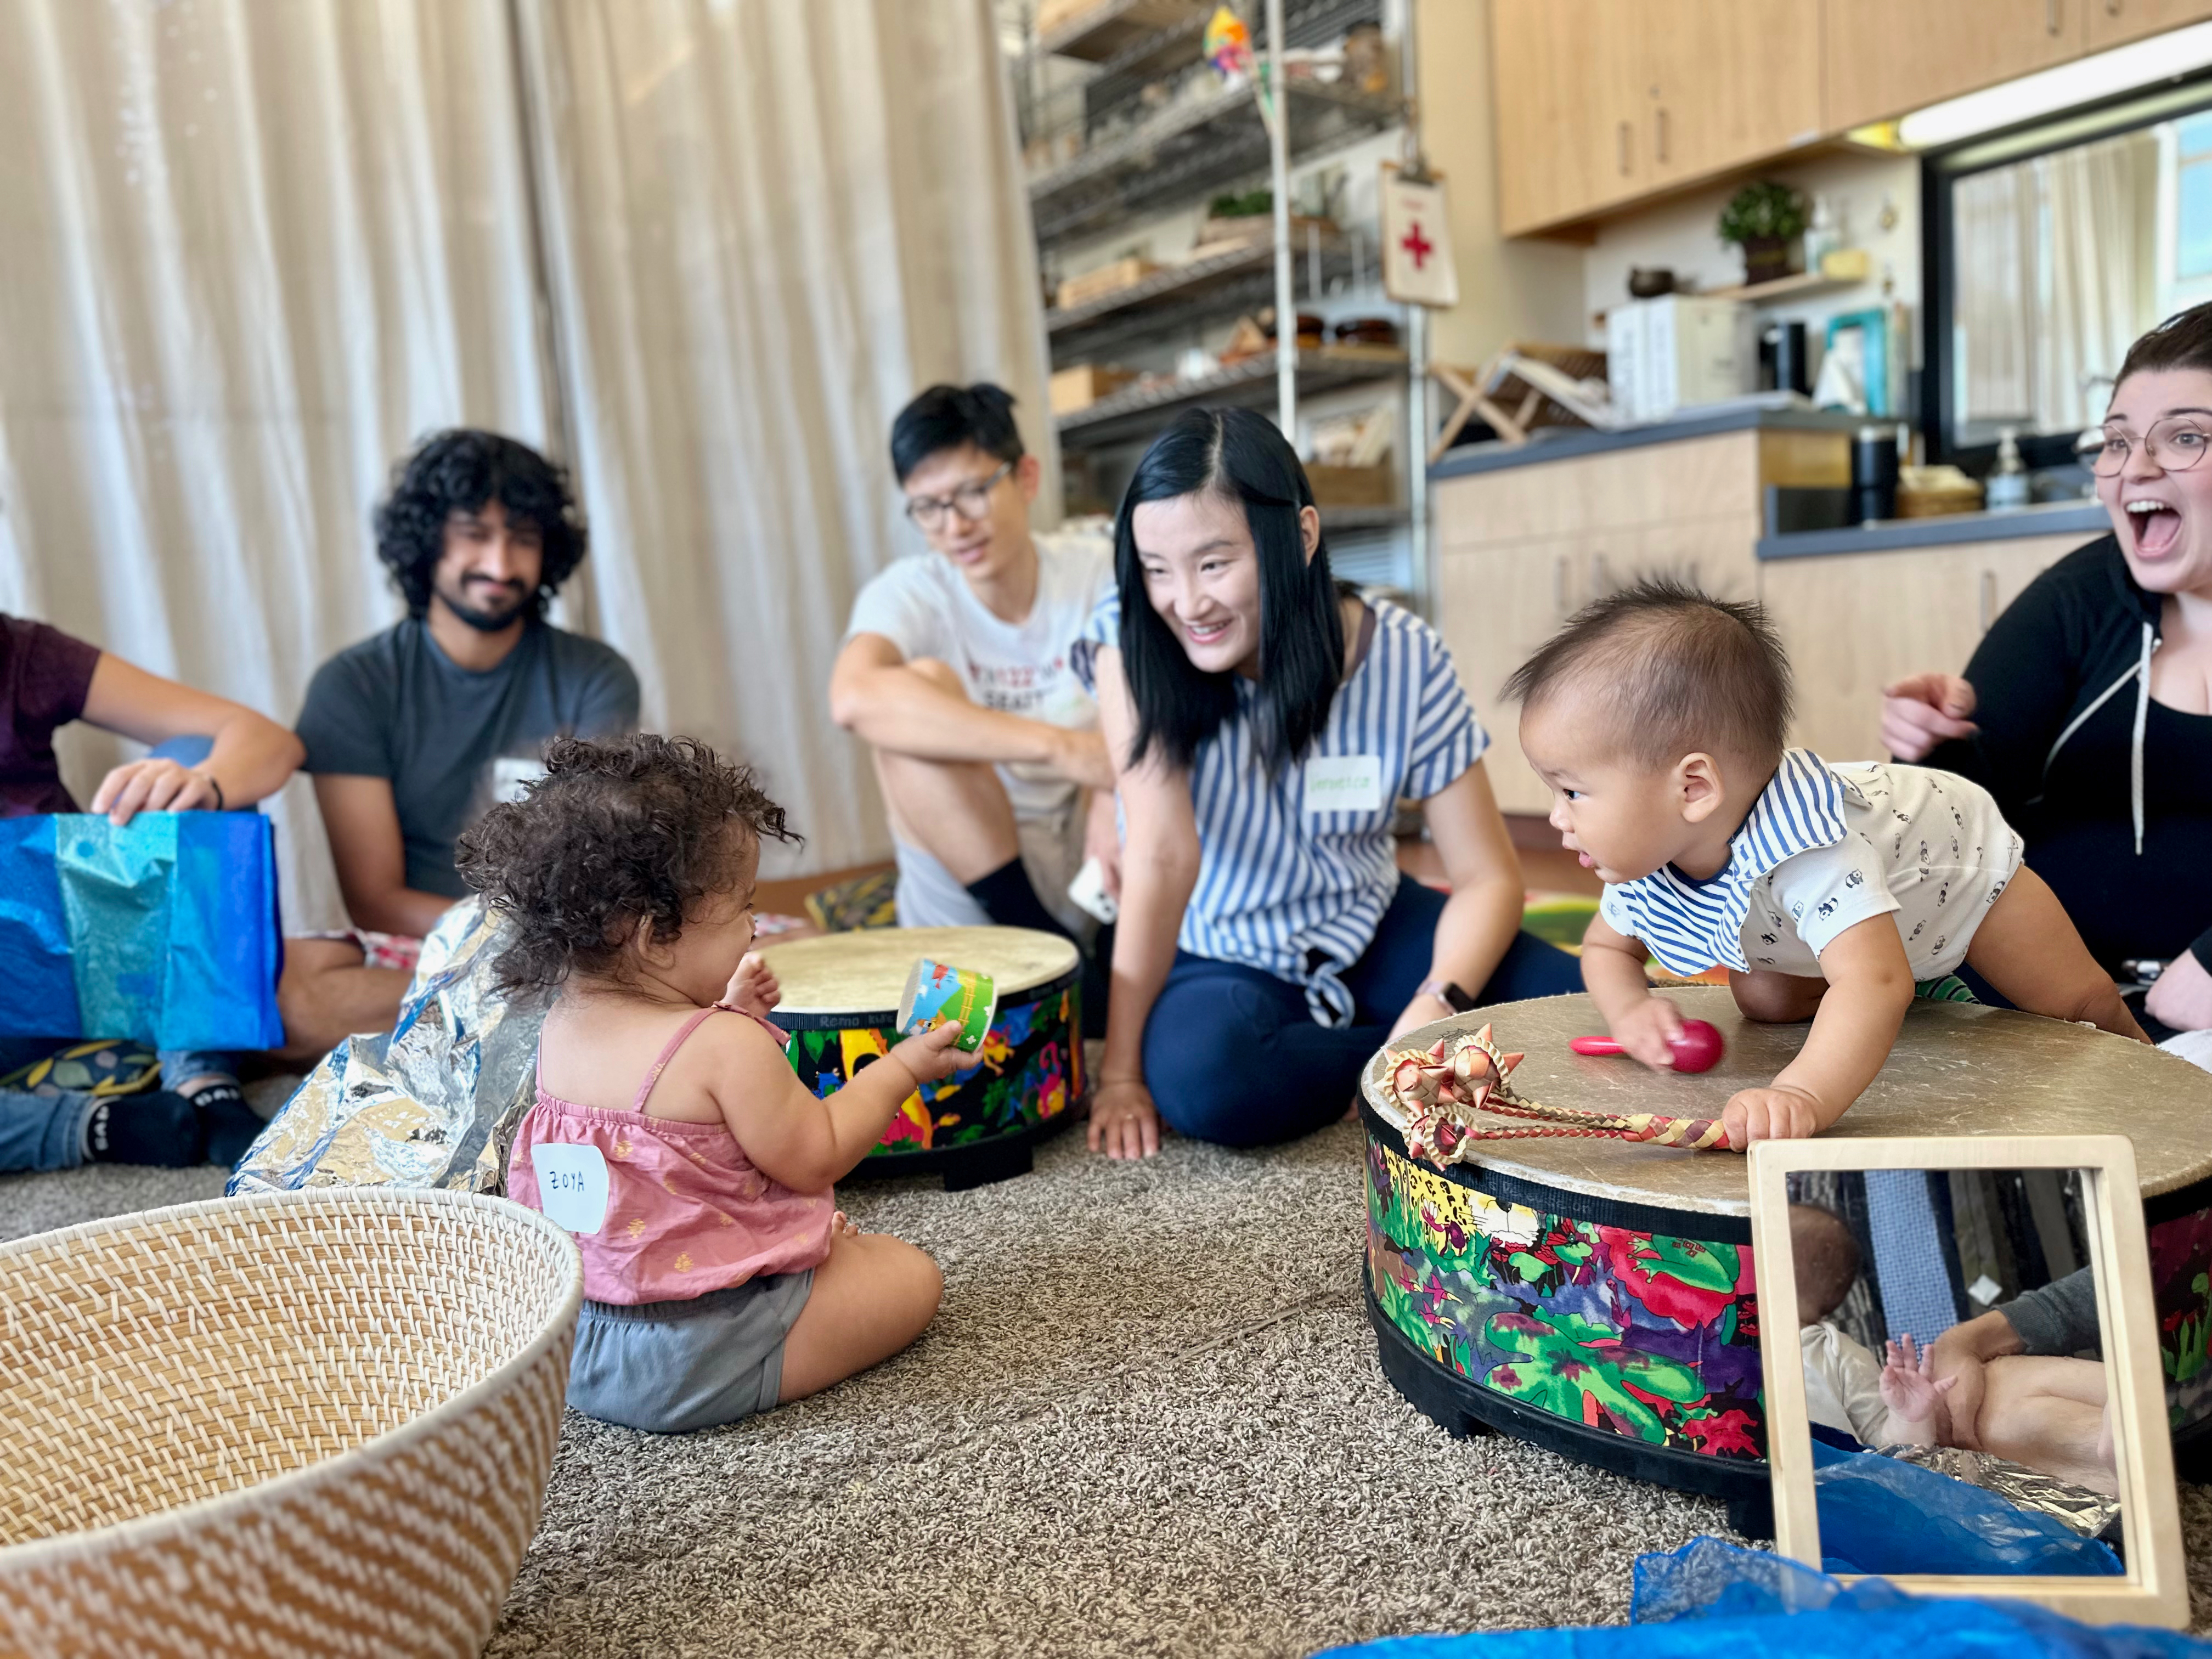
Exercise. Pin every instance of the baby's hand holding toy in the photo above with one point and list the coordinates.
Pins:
(753, 989)
(1646, 1032)
(930, 1055)
(1777, 1112)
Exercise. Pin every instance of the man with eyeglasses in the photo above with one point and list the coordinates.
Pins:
(955, 670)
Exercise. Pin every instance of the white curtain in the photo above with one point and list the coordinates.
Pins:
(249, 251)
(767, 225)
(2057, 261)
(252, 250)
(2102, 253)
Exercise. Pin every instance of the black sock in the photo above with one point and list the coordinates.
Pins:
(1097, 979)
(159, 1127)
(232, 1125)
(1009, 899)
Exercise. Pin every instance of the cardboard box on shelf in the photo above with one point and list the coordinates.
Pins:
(1353, 486)
(1662, 355)
(1106, 279)
(1055, 15)
(1219, 235)
(1085, 384)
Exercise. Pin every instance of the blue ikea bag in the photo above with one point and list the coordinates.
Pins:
(1710, 1599)
(164, 931)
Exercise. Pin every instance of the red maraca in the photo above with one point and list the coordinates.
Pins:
(1697, 1046)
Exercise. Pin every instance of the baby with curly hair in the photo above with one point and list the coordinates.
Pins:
(681, 1150)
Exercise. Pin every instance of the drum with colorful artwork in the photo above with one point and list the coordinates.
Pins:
(840, 998)
(1598, 1296)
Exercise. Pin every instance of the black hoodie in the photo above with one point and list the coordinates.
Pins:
(2111, 791)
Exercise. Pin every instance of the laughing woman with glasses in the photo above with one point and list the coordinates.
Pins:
(2087, 710)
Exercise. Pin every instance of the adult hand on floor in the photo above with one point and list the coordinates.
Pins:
(2181, 996)
(1122, 1121)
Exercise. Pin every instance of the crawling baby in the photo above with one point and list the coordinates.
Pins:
(1657, 718)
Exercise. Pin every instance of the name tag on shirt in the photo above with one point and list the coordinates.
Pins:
(511, 774)
(1344, 783)
(572, 1186)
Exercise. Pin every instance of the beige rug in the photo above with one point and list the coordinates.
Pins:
(1148, 1421)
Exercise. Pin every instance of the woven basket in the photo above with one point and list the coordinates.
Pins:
(303, 1423)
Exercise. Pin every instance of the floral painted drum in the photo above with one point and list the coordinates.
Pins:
(840, 1002)
(1598, 1295)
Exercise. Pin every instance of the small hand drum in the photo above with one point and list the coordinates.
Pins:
(840, 1007)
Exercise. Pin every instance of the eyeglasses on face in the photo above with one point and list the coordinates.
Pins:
(971, 500)
(2174, 445)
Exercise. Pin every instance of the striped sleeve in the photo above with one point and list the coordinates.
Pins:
(1619, 912)
(1104, 628)
(1447, 738)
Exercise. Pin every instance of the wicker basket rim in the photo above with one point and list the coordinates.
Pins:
(145, 1531)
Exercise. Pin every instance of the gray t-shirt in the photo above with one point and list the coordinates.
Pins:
(453, 740)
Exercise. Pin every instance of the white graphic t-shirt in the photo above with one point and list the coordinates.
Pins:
(923, 605)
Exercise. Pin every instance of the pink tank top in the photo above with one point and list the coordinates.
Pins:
(686, 1211)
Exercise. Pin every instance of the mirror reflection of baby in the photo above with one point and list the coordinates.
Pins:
(1890, 1401)
(2047, 1413)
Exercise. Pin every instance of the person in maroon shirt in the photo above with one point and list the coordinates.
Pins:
(48, 679)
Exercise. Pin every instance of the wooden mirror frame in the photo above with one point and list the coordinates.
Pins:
(2155, 1589)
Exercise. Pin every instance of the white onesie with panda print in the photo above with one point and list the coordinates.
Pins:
(1824, 848)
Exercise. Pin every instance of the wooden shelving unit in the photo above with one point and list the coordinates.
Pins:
(1143, 131)
(1138, 410)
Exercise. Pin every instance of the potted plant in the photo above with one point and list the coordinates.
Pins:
(1764, 218)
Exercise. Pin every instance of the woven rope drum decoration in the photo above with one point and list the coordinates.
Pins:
(301, 1423)
(1575, 1274)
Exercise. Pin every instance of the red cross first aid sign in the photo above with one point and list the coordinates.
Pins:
(1417, 259)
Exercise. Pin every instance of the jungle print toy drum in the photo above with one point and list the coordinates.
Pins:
(840, 998)
(1599, 1296)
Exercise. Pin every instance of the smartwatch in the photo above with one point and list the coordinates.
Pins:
(1447, 993)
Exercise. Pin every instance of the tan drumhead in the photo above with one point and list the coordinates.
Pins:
(1958, 1069)
(864, 972)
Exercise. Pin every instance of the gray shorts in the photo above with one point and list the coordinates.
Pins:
(670, 1367)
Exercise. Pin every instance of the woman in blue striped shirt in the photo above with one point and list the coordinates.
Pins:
(1264, 723)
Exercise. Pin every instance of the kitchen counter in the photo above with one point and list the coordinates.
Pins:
(2085, 518)
(1560, 443)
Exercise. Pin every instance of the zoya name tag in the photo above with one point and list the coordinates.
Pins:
(1344, 783)
(572, 1186)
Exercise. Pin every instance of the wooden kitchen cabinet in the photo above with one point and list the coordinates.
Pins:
(1521, 548)
(1854, 623)
(1602, 101)
(1502, 602)
(2114, 22)
(1728, 81)
(1886, 57)
(1540, 90)
(1605, 103)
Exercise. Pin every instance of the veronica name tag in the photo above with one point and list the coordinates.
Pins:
(1344, 783)
(572, 1186)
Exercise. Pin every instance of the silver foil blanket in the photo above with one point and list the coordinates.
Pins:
(2085, 1512)
(433, 1101)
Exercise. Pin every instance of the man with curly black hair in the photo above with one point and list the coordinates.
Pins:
(413, 733)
